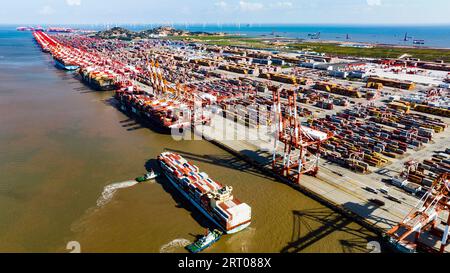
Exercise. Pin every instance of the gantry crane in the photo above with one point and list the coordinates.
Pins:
(420, 230)
(195, 112)
(159, 84)
(296, 147)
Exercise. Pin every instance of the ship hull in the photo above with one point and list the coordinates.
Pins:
(101, 88)
(94, 85)
(146, 120)
(152, 121)
(65, 67)
(202, 210)
(196, 249)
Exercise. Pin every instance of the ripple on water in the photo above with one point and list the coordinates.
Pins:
(240, 242)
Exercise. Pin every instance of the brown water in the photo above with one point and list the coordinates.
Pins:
(61, 144)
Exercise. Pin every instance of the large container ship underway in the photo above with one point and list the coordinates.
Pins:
(214, 200)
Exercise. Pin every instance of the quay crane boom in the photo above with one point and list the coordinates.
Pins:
(408, 236)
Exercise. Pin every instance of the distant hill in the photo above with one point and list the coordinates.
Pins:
(125, 34)
(116, 33)
(165, 31)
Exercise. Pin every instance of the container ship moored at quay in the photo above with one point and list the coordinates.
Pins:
(102, 74)
(98, 80)
(61, 63)
(214, 200)
(166, 113)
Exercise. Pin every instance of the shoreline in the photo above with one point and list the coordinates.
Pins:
(330, 47)
(319, 41)
(376, 44)
(266, 37)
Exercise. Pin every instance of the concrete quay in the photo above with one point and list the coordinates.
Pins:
(334, 186)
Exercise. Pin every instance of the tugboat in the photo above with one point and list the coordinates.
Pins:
(147, 177)
(205, 242)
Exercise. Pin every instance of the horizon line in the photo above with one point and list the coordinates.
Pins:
(237, 23)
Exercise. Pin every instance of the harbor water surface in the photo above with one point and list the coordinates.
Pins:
(432, 35)
(68, 158)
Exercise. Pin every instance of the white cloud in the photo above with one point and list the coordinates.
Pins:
(250, 6)
(46, 10)
(374, 2)
(285, 4)
(221, 4)
(73, 2)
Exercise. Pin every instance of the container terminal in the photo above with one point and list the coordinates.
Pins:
(367, 137)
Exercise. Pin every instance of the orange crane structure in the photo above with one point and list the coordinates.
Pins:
(159, 84)
(421, 229)
(297, 147)
(195, 110)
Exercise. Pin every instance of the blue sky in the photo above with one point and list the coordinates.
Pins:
(416, 12)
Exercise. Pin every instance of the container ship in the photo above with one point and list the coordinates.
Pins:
(24, 29)
(60, 30)
(214, 200)
(99, 80)
(101, 74)
(65, 64)
(166, 113)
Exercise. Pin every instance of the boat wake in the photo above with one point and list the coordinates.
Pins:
(110, 190)
(241, 242)
(174, 245)
(107, 195)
